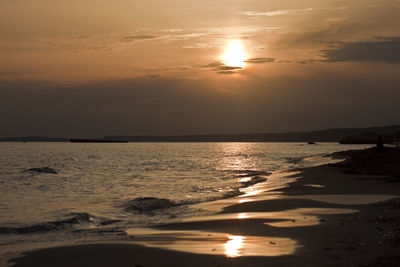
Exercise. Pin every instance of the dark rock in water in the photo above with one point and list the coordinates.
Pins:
(148, 204)
(42, 170)
(312, 143)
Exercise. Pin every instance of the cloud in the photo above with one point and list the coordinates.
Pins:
(221, 68)
(274, 13)
(306, 61)
(199, 46)
(77, 43)
(268, 14)
(289, 11)
(137, 37)
(214, 64)
(229, 68)
(172, 30)
(174, 37)
(260, 60)
(380, 50)
(151, 76)
(227, 72)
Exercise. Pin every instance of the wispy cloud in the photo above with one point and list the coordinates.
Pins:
(199, 45)
(172, 30)
(221, 68)
(260, 60)
(226, 72)
(229, 68)
(288, 11)
(131, 38)
(151, 76)
(275, 12)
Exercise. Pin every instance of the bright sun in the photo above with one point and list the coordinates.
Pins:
(234, 55)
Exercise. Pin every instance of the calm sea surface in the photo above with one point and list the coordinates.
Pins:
(100, 189)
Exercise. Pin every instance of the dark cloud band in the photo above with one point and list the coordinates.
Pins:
(380, 50)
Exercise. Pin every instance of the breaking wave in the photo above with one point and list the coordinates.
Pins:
(74, 221)
(148, 205)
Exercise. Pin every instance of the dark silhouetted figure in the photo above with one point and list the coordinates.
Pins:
(379, 144)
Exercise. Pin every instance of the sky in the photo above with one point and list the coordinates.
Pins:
(91, 68)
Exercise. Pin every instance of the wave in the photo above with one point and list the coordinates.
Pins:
(232, 193)
(246, 173)
(249, 178)
(253, 180)
(294, 160)
(74, 221)
(148, 204)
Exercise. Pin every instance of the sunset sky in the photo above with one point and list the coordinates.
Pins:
(89, 68)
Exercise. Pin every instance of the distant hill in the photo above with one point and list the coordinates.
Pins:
(370, 138)
(33, 139)
(329, 135)
(344, 135)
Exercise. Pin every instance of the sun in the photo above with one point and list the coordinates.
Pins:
(234, 55)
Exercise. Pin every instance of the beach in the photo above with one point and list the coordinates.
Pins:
(241, 133)
(342, 213)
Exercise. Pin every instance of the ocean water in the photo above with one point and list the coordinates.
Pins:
(69, 192)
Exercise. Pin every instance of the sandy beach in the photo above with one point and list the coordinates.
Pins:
(337, 214)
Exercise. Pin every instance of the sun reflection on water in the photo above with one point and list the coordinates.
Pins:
(233, 246)
(236, 157)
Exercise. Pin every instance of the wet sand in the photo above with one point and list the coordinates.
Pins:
(337, 214)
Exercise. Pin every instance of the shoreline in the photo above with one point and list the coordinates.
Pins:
(324, 217)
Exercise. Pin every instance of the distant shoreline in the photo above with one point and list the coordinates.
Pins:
(329, 135)
(96, 141)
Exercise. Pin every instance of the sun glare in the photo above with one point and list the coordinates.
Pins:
(234, 55)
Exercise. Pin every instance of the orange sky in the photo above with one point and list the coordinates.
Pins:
(88, 45)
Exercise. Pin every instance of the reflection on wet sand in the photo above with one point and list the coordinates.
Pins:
(202, 242)
(270, 187)
(315, 185)
(349, 199)
(214, 243)
(288, 218)
(233, 246)
(261, 191)
(338, 199)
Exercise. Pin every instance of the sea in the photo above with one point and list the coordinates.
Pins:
(68, 193)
